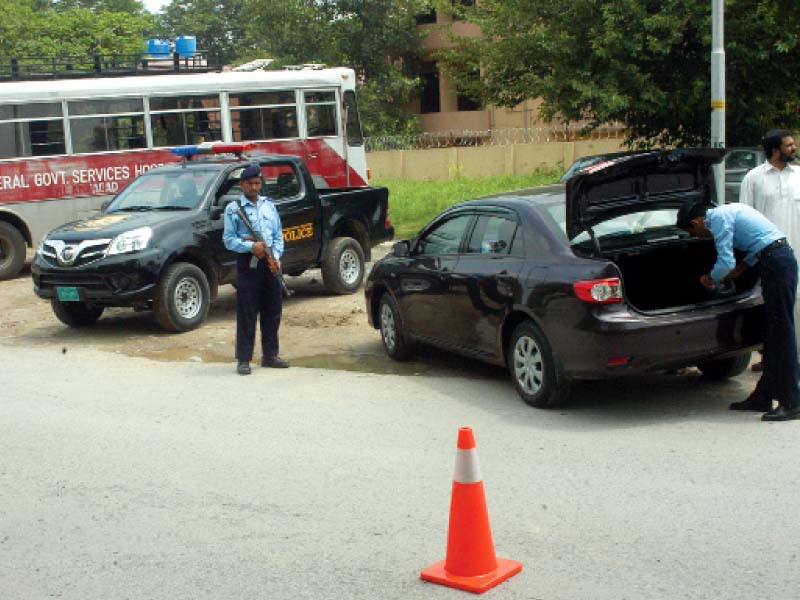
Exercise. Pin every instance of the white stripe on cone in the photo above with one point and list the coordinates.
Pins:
(467, 468)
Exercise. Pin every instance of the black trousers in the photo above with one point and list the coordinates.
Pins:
(779, 380)
(258, 297)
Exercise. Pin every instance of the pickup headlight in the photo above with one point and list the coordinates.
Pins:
(130, 241)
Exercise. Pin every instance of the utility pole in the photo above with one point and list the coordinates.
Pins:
(718, 91)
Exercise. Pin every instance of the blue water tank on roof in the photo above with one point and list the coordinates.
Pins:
(186, 46)
(157, 48)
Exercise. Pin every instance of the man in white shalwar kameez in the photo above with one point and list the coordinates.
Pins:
(773, 189)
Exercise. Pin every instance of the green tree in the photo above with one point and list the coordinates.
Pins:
(645, 63)
(378, 39)
(28, 29)
(218, 25)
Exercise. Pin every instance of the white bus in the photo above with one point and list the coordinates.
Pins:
(67, 145)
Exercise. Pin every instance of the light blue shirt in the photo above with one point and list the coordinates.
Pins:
(741, 227)
(265, 220)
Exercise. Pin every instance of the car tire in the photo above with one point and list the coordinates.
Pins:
(183, 298)
(395, 341)
(76, 314)
(343, 267)
(12, 251)
(724, 368)
(534, 369)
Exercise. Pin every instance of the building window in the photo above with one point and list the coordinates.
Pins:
(427, 17)
(429, 96)
(459, 6)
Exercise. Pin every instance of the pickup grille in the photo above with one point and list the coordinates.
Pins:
(73, 254)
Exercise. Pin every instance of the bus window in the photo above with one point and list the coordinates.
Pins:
(320, 113)
(353, 123)
(263, 116)
(31, 130)
(185, 120)
(98, 126)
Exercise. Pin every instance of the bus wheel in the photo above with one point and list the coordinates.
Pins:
(343, 267)
(183, 298)
(12, 251)
(76, 314)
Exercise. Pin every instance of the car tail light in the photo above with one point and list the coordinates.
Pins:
(599, 291)
(388, 222)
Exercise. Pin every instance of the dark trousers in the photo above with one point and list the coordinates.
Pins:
(778, 271)
(258, 296)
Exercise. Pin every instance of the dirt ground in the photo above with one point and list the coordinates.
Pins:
(318, 329)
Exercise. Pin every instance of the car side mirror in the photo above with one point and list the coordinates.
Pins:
(401, 248)
(105, 204)
(216, 212)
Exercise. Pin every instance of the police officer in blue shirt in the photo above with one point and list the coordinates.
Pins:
(744, 228)
(258, 288)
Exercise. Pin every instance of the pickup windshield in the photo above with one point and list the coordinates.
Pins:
(172, 190)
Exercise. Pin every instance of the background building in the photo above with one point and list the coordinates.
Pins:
(440, 106)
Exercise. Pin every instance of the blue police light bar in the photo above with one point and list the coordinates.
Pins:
(213, 148)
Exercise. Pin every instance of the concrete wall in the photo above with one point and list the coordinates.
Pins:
(513, 159)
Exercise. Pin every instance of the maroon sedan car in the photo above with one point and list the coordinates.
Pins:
(583, 281)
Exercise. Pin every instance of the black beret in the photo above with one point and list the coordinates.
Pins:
(250, 172)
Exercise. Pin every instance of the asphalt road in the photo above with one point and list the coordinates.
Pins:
(127, 478)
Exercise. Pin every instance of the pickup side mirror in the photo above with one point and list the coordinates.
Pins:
(401, 248)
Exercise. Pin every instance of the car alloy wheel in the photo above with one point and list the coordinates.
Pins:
(388, 327)
(528, 366)
(395, 341)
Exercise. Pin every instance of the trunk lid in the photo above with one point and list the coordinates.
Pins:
(636, 182)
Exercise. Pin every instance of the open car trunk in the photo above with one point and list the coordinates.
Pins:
(624, 210)
(667, 277)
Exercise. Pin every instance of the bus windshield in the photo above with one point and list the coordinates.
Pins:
(171, 190)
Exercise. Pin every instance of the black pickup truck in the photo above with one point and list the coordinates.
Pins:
(158, 243)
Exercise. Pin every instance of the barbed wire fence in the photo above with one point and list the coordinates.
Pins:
(493, 137)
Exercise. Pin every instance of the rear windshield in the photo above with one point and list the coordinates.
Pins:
(630, 224)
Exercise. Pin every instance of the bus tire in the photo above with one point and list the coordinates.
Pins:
(76, 314)
(12, 251)
(183, 298)
(343, 266)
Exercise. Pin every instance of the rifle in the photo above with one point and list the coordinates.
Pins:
(257, 237)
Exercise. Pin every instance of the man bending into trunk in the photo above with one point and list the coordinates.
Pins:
(744, 228)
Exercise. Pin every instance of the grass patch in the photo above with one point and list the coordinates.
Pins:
(414, 203)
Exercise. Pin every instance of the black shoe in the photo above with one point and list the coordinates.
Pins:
(243, 368)
(754, 402)
(782, 414)
(274, 362)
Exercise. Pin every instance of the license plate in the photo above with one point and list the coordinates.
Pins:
(68, 294)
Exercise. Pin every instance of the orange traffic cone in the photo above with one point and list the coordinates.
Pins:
(470, 563)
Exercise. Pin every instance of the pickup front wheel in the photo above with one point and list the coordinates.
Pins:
(183, 298)
(343, 267)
